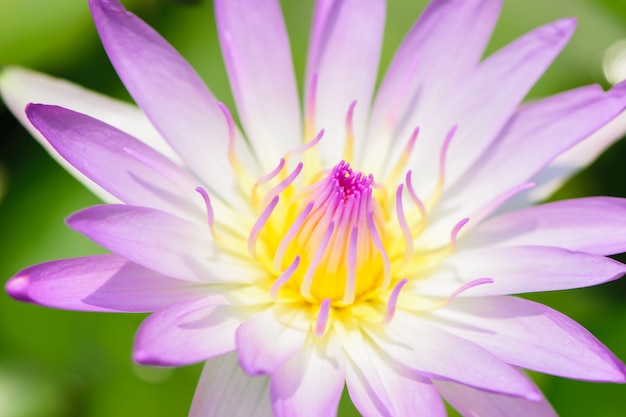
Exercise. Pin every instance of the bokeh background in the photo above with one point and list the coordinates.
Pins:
(69, 364)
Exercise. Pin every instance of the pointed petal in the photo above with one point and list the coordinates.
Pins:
(473, 402)
(256, 50)
(520, 269)
(571, 161)
(177, 336)
(445, 43)
(170, 93)
(346, 35)
(119, 163)
(595, 225)
(19, 87)
(500, 83)
(432, 351)
(535, 136)
(268, 339)
(310, 383)
(162, 242)
(532, 336)
(98, 283)
(225, 390)
(381, 387)
(482, 104)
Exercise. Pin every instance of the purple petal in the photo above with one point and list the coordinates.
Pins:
(532, 336)
(472, 402)
(177, 335)
(258, 59)
(346, 35)
(535, 136)
(20, 86)
(98, 283)
(162, 242)
(268, 339)
(171, 94)
(571, 161)
(225, 390)
(430, 350)
(482, 105)
(596, 225)
(498, 86)
(119, 163)
(520, 269)
(380, 387)
(310, 383)
(444, 45)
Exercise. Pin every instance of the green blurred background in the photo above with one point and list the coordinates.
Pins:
(57, 363)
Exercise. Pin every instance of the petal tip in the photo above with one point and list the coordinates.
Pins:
(17, 287)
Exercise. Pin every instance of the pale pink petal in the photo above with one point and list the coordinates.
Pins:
(170, 93)
(532, 336)
(568, 163)
(432, 351)
(535, 136)
(162, 242)
(225, 390)
(474, 403)
(257, 55)
(343, 56)
(482, 105)
(267, 340)
(310, 383)
(444, 45)
(595, 224)
(519, 269)
(98, 283)
(19, 87)
(177, 335)
(119, 163)
(381, 387)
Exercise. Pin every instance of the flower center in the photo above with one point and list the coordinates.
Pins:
(333, 239)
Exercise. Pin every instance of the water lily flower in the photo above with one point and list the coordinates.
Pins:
(370, 240)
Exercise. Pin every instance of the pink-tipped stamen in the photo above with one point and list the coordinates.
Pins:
(404, 226)
(467, 286)
(291, 234)
(209, 208)
(259, 224)
(268, 177)
(444, 152)
(284, 277)
(322, 318)
(501, 199)
(404, 157)
(348, 152)
(307, 281)
(350, 291)
(393, 301)
(301, 149)
(283, 184)
(417, 201)
(381, 249)
(456, 229)
(230, 122)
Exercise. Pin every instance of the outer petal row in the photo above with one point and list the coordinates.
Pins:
(163, 242)
(171, 94)
(595, 225)
(519, 269)
(531, 336)
(225, 390)
(256, 50)
(99, 283)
